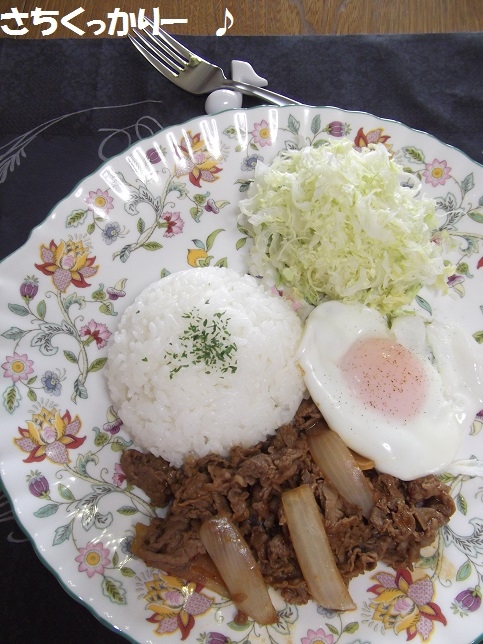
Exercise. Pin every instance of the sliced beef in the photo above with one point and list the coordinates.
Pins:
(152, 474)
(247, 487)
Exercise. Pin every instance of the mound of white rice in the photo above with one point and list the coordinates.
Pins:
(174, 380)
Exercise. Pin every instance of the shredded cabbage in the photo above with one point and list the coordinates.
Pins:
(332, 222)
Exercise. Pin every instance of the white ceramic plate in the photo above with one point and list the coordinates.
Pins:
(165, 204)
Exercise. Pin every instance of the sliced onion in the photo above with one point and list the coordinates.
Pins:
(362, 461)
(336, 463)
(202, 570)
(238, 568)
(199, 569)
(314, 554)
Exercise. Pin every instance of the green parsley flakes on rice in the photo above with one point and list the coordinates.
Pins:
(204, 360)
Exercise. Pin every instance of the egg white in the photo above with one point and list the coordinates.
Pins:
(409, 447)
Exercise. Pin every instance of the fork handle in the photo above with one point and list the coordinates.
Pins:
(260, 92)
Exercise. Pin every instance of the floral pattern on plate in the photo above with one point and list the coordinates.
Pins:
(168, 204)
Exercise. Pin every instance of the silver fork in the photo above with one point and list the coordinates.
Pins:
(191, 72)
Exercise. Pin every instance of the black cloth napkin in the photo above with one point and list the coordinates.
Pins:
(67, 105)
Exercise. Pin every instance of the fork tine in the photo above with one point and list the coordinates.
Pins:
(159, 42)
(164, 69)
(152, 45)
(174, 44)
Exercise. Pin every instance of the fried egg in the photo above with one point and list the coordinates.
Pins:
(403, 396)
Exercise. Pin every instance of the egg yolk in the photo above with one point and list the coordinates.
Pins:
(386, 377)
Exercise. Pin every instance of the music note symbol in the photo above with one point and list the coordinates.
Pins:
(221, 31)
